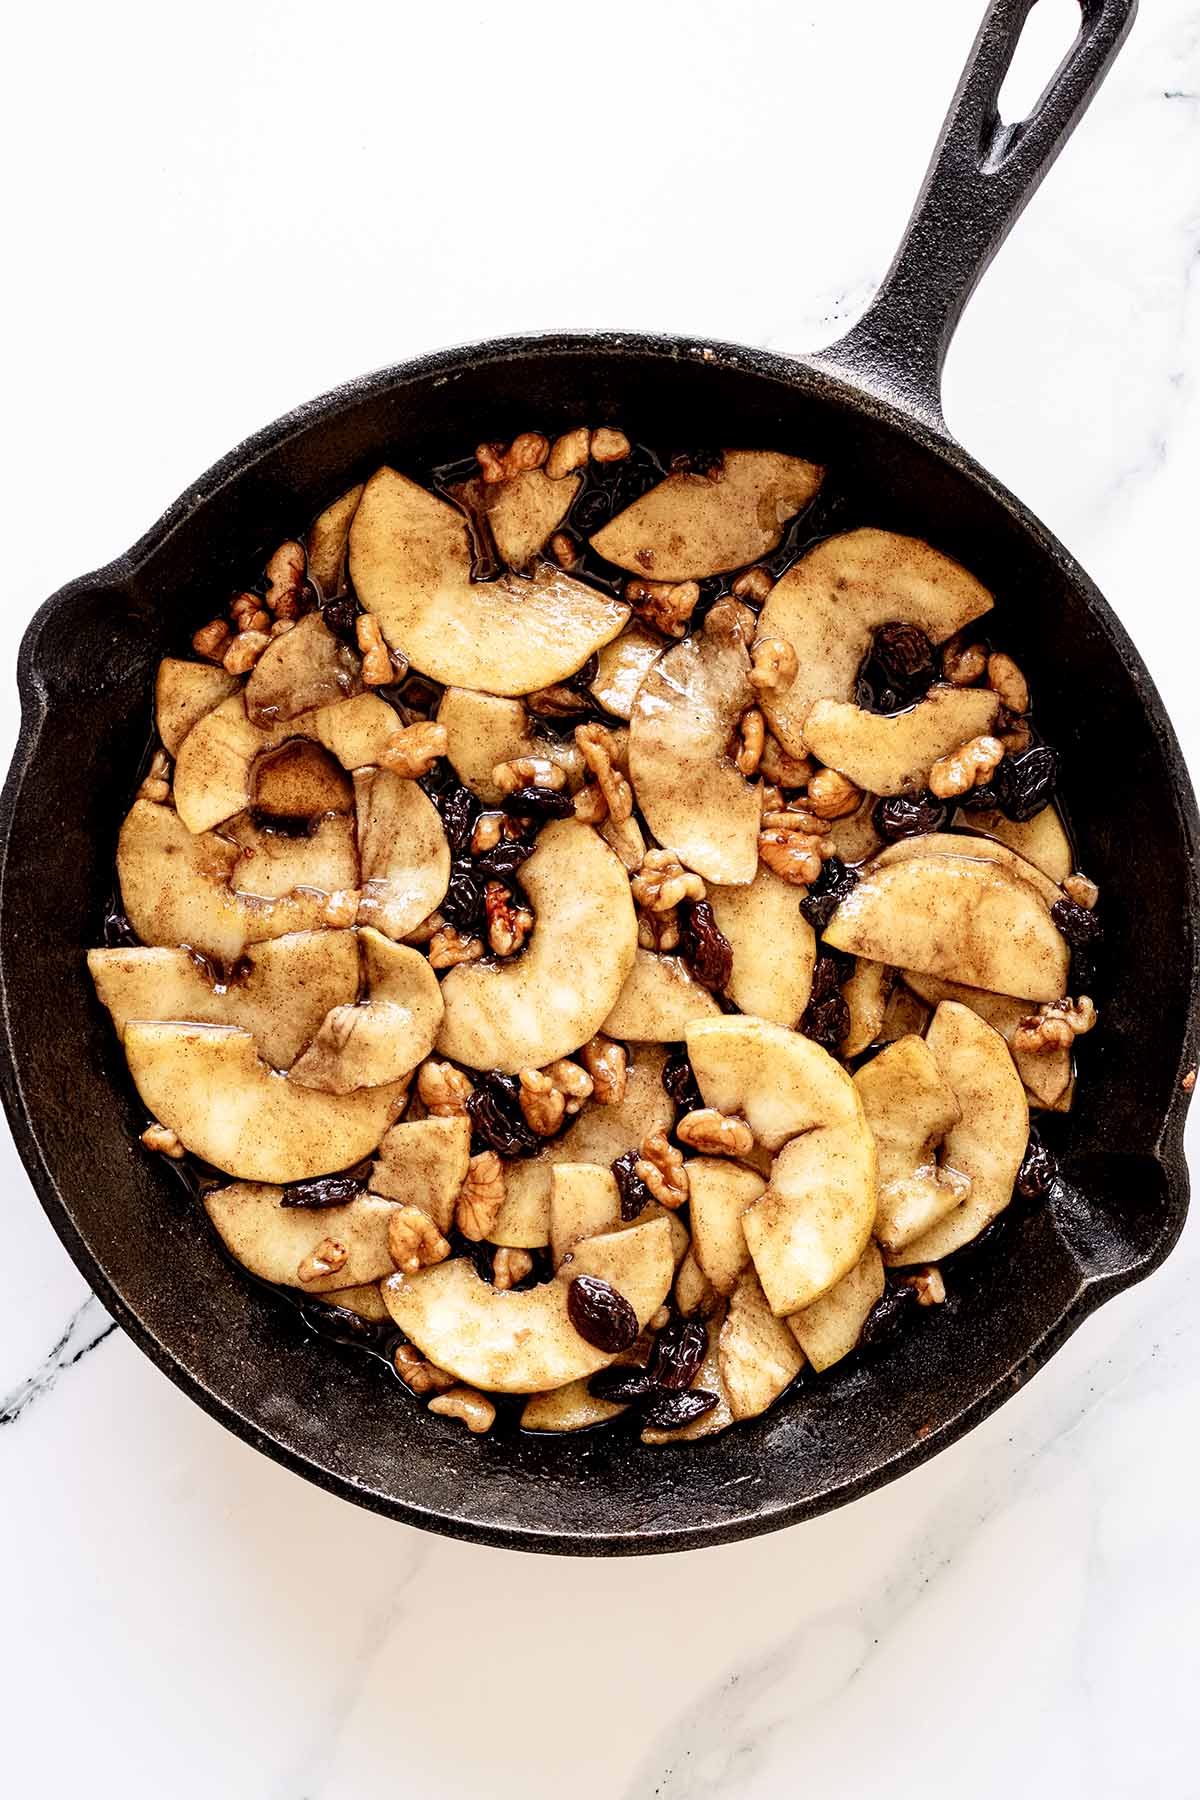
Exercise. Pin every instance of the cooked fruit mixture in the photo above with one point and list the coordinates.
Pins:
(597, 938)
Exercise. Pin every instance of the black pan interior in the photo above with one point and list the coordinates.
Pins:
(337, 1416)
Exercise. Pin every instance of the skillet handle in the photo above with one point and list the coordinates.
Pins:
(979, 180)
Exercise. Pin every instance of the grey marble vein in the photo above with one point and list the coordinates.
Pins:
(86, 1328)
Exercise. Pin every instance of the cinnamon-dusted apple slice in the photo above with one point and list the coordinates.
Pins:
(684, 716)
(214, 767)
(183, 693)
(275, 863)
(573, 1408)
(904, 1015)
(410, 561)
(892, 753)
(524, 510)
(385, 1035)
(303, 669)
(830, 602)
(962, 918)
(209, 1085)
(866, 995)
(623, 665)
(1045, 1074)
(831, 1327)
(423, 1163)
(275, 1242)
(813, 1222)
(365, 1300)
(910, 1108)
(584, 1203)
(545, 1003)
(599, 1135)
(179, 888)
(690, 525)
(756, 1353)
(328, 537)
(855, 837)
(403, 852)
(280, 991)
(988, 1143)
(658, 1002)
(1041, 840)
(718, 1194)
(523, 1341)
(483, 730)
(773, 946)
(980, 849)
(299, 781)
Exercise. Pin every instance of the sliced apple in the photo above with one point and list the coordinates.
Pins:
(1041, 840)
(694, 1294)
(910, 1107)
(774, 947)
(903, 1016)
(599, 1135)
(978, 849)
(708, 1380)
(569, 1408)
(684, 716)
(209, 1085)
(718, 1194)
(779, 1082)
(988, 1144)
(523, 1341)
(403, 851)
(544, 1004)
(481, 731)
(585, 1202)
(855, 837)
(1046, 1075)
(275, 863)
(866, 995)
(757, 1355)
(272, 1240)
(280, 993)
(215, 763)
(183, 693)
(384, 1036)
(524, 510)
(690, 526)
(300, 781)
(423, 1163)
(623, 665)
(829, 603)
(964, 919)
(177, 888)
(305, 668)
(830, 1328)
(659, 1000)
(328, 536)
(410, 561)
(892, 753)
(365, 1300)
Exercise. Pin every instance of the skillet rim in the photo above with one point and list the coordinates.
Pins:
(820, 373)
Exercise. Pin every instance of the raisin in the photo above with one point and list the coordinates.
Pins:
(706, 949)
(592, 511)
(909, 815)
(679, 1079)
(340, 616)
(539, 803)
(1081, 928)
(462, 904)
(323, 1190)
(622, 1385)
(827, 892)
(673, 1411)
(897, 669)
(1028, 782)
(635, 1195)
(495, 1111)
(459, 810)
(502, 863)
(1038, 1169)
(679, 1350)
(827, 1017)
(583, 678)
(886, 1318)
(601, 1316)
(338, 1323)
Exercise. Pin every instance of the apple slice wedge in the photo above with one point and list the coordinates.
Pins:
(307, 667)
(523, 1342)
(658, 1001)
(423, 1163)
(545, 1003)
(978, 849)
(300, 781)
(774, 947)
(183, 693)
(481, 731)
(866, 995)
(892, 753)
(988, 1143)
(830, 602)
(209, 1085)
(327, 540)
(585, 1203)
(910, 1108)
(382, 1037)
(1041, 840)
(718, 1194)
(272, 1240)
(830, 1328)
(410, 562)
(524, 510)
(275, 863)
(1046, 1074)
(962, 918)
(690, 526)
(623, 665)
(683, 720)
(365, 1300)
(403, 850)
(757, 1354)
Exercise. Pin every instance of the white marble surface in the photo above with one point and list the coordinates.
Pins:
(215, 215)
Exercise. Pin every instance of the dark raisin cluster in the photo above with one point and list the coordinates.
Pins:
(898, 669)
(662, 1392)
(827, 892)
(679, 1079)
(1020, 785)
(827, 1017)
(1038, 1169)
(635, 1195)
(706, 951)
(909, 815)
(494, 1109)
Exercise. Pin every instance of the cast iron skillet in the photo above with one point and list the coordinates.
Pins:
(870, 408)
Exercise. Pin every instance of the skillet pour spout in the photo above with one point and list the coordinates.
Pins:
(870, 408)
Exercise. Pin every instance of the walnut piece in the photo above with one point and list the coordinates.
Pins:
(715, 1133)
(793, 845)
(341, 908)
(528, 451)
(1005, 678)
(751, 733)
(528, 771)
(568, 453)
(377, 668)
(607, 1063)
(248, 614)
(466, 1403)
(1054, 1026)
(487, 832)
(967, 767)
(244, 651)
(963, 663)
(662, 882)
(212, 641)
(781, 768)
(753, 584)
(414, 1241)
(419, 1376)
(658, 931)
(549, 1094)
(507, 925)
(831, 795)
(591, 808)
(608, 445)
(448, 948)
(480, 1197)
(666, 605)
(414, 749)
(931, 1289)
(443, 1090)
(730, 622)
(599, 749)
(326, 1259)
(773, 664)
(157, 784)
(662, 1168)
(1082, 891)
(564, 549)
(509, 1267)
(286, 574)
(164, 1140)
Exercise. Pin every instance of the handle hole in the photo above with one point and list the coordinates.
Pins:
(1048, 34)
